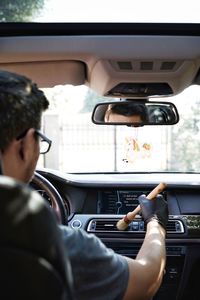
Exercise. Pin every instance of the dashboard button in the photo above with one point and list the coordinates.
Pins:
(141, 225)
(135, 226)
(76, 224)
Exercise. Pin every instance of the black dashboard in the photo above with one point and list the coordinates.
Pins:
(95, 202)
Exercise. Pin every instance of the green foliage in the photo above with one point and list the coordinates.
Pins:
(19, 10)
(186, 143)
(91, 99)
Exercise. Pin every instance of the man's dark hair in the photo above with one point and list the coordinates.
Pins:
(21, 106)
(131, 109)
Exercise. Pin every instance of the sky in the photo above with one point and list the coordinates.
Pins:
(121, 11)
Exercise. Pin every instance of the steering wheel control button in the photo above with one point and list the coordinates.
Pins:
(76, 224)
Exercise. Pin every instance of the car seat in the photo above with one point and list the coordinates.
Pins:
(33, 261)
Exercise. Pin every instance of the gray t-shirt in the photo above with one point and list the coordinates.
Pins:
(99, 273)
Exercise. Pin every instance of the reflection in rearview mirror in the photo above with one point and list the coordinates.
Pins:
(135, 113)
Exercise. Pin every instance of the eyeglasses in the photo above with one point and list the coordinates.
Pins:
(45, 143)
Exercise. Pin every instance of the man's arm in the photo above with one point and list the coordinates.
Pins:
(146, 271)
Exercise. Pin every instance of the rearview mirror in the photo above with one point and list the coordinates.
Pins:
(135, 113)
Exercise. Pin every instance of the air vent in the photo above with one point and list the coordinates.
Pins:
(109, 225)
(102, 225)
(175, 226)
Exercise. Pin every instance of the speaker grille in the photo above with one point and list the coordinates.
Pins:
(168, 65)
(124, 65)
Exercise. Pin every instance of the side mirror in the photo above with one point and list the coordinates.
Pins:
(135, 113)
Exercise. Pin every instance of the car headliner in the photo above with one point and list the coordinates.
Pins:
(93, 53)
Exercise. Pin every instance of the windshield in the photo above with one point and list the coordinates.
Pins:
(80, 146)
(100, 11)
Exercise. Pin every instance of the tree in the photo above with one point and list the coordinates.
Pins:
(91, 99)
(186, 143)
(19, 10)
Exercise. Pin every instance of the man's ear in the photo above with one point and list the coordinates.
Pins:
(28, 145)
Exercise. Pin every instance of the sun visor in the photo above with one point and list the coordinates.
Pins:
(50, 73)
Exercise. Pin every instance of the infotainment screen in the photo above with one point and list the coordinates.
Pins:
(117, 202)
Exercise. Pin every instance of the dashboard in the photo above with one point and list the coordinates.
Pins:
(96, 202)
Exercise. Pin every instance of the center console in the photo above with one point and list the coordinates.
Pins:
(174, 268)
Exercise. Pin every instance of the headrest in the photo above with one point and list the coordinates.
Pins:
(26, 222)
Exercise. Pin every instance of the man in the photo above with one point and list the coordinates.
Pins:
(126, 112)
(98, 272)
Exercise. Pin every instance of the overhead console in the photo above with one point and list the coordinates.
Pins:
(129, 78)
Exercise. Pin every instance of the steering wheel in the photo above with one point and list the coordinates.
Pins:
(51, 195)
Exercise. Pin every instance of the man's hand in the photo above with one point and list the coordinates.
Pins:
(155, 209)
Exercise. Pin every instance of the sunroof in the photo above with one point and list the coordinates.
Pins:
(154, 11)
